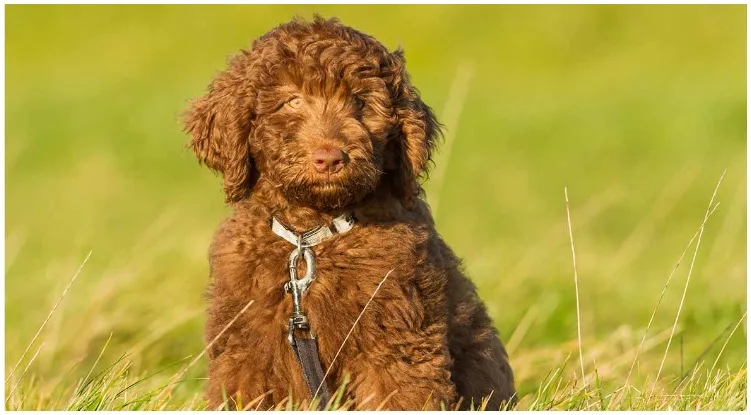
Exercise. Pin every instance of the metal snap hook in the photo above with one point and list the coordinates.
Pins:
(310, 264)
(297, 287)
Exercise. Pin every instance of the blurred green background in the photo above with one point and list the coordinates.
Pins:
(636, 109)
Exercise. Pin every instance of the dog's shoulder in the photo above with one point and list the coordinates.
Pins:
(244, 244)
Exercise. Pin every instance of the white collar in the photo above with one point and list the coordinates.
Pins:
(341, 224)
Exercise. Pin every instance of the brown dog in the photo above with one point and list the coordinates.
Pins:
(317, 120)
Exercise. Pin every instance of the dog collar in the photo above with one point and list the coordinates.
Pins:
(341, 224)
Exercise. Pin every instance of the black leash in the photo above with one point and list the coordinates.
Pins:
(306, 352)
(305, 349)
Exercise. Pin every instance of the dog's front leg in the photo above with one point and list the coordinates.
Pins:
(403, 370)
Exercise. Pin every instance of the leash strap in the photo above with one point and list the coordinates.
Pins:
(305, 349)
(306, 352)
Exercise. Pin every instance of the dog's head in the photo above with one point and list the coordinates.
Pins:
(320, 110)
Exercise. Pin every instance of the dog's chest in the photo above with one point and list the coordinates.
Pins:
(344, 263)
(349, 269)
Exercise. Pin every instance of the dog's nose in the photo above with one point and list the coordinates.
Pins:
(328, 160)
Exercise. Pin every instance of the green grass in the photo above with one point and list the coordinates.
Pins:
(637, 110)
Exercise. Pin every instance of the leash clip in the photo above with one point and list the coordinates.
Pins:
(297, 287)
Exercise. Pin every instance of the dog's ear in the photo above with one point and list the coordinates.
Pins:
(220, 125)
(411, 146)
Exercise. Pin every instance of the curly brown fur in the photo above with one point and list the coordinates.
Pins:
(426, 338)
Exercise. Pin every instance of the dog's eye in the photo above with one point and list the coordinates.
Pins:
(358, 103)
(295, 103)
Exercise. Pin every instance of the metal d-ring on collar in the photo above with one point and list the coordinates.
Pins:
(303, 243)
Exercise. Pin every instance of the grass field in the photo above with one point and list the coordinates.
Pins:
(636, 110)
